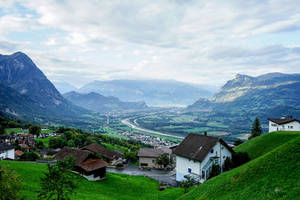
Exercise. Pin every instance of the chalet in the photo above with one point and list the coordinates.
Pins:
(148, 156)
(106, 154)
(87, 164)
(287, 123)
(196, 155)
(7, 151)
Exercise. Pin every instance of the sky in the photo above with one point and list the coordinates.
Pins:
(203, 42)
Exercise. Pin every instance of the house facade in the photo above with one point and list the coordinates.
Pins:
(287, 123)
(148, 156)
(7, 151)
(196, 155)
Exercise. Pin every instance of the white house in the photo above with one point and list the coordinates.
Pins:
(287, 123)
(6, 151)
(196, 154)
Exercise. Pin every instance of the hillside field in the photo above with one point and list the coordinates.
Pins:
(274, 174)
(115, 187)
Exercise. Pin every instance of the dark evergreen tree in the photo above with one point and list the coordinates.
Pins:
(256, 129)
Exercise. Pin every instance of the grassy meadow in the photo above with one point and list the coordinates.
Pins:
(115, 187)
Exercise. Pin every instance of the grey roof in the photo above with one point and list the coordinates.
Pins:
(196, 146)
(5, 147)
(283, 120)
(148, 152)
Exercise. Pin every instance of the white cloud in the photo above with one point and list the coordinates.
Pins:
(195, 41)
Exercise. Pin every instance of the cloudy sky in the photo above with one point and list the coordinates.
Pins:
(205, 42)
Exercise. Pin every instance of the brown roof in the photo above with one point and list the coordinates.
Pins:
(196, 146)
(283, 120)
(19, 153)
(77, 154)
(98, 149)
(93, 164)
(150, 153)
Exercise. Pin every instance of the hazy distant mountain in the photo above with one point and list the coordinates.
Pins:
(27, 92)
(64, 87)
(99, 103)
(270, 93)
(153, 92)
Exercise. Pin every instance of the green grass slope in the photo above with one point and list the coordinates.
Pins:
(115, 187)
(265, 143)
(274, 175)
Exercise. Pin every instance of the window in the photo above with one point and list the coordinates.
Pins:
(223, 157)
(212, 151)
(144, 164)
(152, 161)
(203, 174)
(290, 127)
(189, 170)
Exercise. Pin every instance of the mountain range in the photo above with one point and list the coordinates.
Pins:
(64, 87)
(272, 94)
(153, 92)
(27, 93)
(99, 103)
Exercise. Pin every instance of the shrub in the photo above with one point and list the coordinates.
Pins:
(240, 158)
(29, 156)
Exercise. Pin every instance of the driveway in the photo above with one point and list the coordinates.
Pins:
(161, 176)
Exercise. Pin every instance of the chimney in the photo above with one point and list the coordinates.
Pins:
(205, 133)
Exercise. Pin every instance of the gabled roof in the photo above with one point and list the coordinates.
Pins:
(196, 146)
(283, 120)
(150, 153)
(98, 149)
(5, 147)
(79, 155)
(93, 164)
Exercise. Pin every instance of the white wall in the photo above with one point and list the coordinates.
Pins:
(292, 126)
(182, 166)
(8, 154)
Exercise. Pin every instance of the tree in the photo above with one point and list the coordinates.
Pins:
(256, 129)
(40, 145)
(29, 156)
(240, 158)
(186, 184)
(9, 184)
(163, 160)
(35, 130)
(2, 130)
(215, 171)
(228, 165)
(238, 142)
(58, 183)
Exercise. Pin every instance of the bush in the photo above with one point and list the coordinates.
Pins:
(240, 158)
(215, 171)
(228, 164)
(29, 156)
